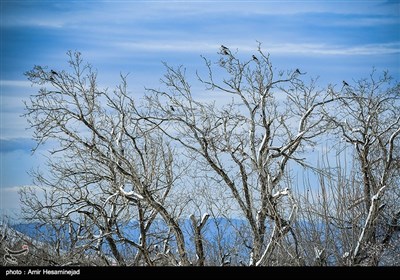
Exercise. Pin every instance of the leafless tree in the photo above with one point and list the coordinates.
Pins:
(176, 179)
(350, 217)
(245, 145)
(368, 118)
(108, 167)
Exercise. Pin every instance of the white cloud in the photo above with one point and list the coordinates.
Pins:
(276, 48)
(15, 83)
(16, 189)
(168, 46)
(79, 14)
(363, 21)
(324, 49)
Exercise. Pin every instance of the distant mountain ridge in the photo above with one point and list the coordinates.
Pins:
(221, 230)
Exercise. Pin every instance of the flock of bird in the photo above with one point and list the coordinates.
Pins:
(226, 51)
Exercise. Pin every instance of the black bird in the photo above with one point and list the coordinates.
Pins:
(172, 108)
(54, 72)
(297, 71)
(224, 48)
(345, 84)
(255, 58)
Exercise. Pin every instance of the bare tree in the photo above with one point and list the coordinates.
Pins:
(124, 173)
(246, 143)
(112, 167)
(368, 118)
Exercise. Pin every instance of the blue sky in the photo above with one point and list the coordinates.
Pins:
(335, 40)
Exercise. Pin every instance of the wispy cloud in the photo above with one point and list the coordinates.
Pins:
(9, 145)
(168, 46)
(325, 49)
(363, 21)
(277, 48)
(79, 13)
(15, 83)
(16, 189)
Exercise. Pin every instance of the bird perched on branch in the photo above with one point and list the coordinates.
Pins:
(297, 71)
(53, 72)
(255, 58)
(345, 84)
(224, 50)
(172, 108)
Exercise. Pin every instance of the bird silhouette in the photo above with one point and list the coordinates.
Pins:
(53, 72)
(297, 71)
(345, 84)
(224, 50)
(172, 108)
(255, 58)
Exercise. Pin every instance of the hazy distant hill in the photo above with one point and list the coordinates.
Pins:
(222, 230)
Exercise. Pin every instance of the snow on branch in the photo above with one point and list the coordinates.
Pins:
(132, 195)
(278, 194)
(368, 222)
(108, 198)
(204, 219)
